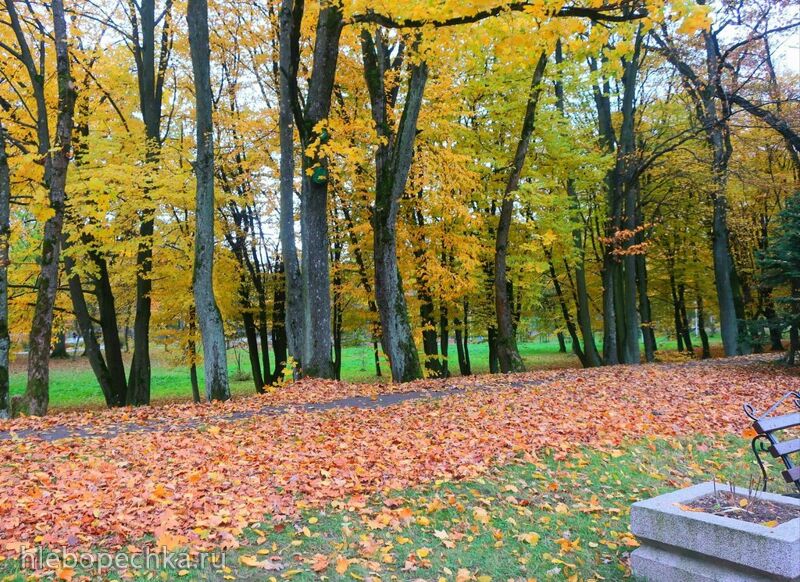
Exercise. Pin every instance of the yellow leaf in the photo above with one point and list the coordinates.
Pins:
(423, 553)
(531, 538)
(481, 515)
(342, 564)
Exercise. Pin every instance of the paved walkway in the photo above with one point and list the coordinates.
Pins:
(57, 432)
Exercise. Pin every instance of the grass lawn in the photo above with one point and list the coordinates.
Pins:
(73, 385)
(562, 517)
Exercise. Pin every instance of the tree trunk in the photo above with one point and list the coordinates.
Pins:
(701, 326)
(648, 332)
(362, 273)
(150, 77)
(393, 159)
(507, 351)
(56, 162)
(211, 328)
(338, 309)
(317, 356)
(775, 332)
(248, 321)
(112, 347)
(444, 338)
(628, 180)
(562, 301)
(279, 336)
(290, 16)
(583, 313)
(676, 306)
(562, 344)
(60, 346)
(687, 337)
(192, 349)
(494, 362)
(92, 351)
(430, 341)
(5, 233)
(794, 344)
(462, 339)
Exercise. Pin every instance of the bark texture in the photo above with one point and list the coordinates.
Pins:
(211, 328)
(393, 159)
(289, 21)
(56, 156)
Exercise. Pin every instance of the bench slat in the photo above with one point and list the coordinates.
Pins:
(785, 448)
(773, 423)
(792, 474)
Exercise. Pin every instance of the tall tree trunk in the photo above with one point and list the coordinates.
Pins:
(507, 351)
(56, 162)
(718, 136)
(393, 159)
(5, 233)
(290, 15)
(610, 273)
(150, 77)
(629, 181)
(317, 345)
(211, 328)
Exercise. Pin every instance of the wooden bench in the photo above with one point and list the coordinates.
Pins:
(766, 426)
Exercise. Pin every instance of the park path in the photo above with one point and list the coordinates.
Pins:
(59, 432)
(454, 387)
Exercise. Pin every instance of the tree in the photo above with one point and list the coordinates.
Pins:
(393, 157)
(5, 234)
(211, 329)
(508, 354)
(55, 153)
(781, 267)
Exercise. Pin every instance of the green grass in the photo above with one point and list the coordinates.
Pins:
(562, 516)
(73, 385)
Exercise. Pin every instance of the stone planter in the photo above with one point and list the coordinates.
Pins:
(686, 546)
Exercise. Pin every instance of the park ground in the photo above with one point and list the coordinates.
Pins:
(520, 477)
(73, 385)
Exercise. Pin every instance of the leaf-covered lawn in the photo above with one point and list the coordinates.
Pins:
(558, 443)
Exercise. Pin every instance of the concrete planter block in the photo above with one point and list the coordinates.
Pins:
(686, 546)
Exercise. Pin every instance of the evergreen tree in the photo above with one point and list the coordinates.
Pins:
(780, 265)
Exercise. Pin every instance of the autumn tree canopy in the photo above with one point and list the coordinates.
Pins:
(294, 177)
